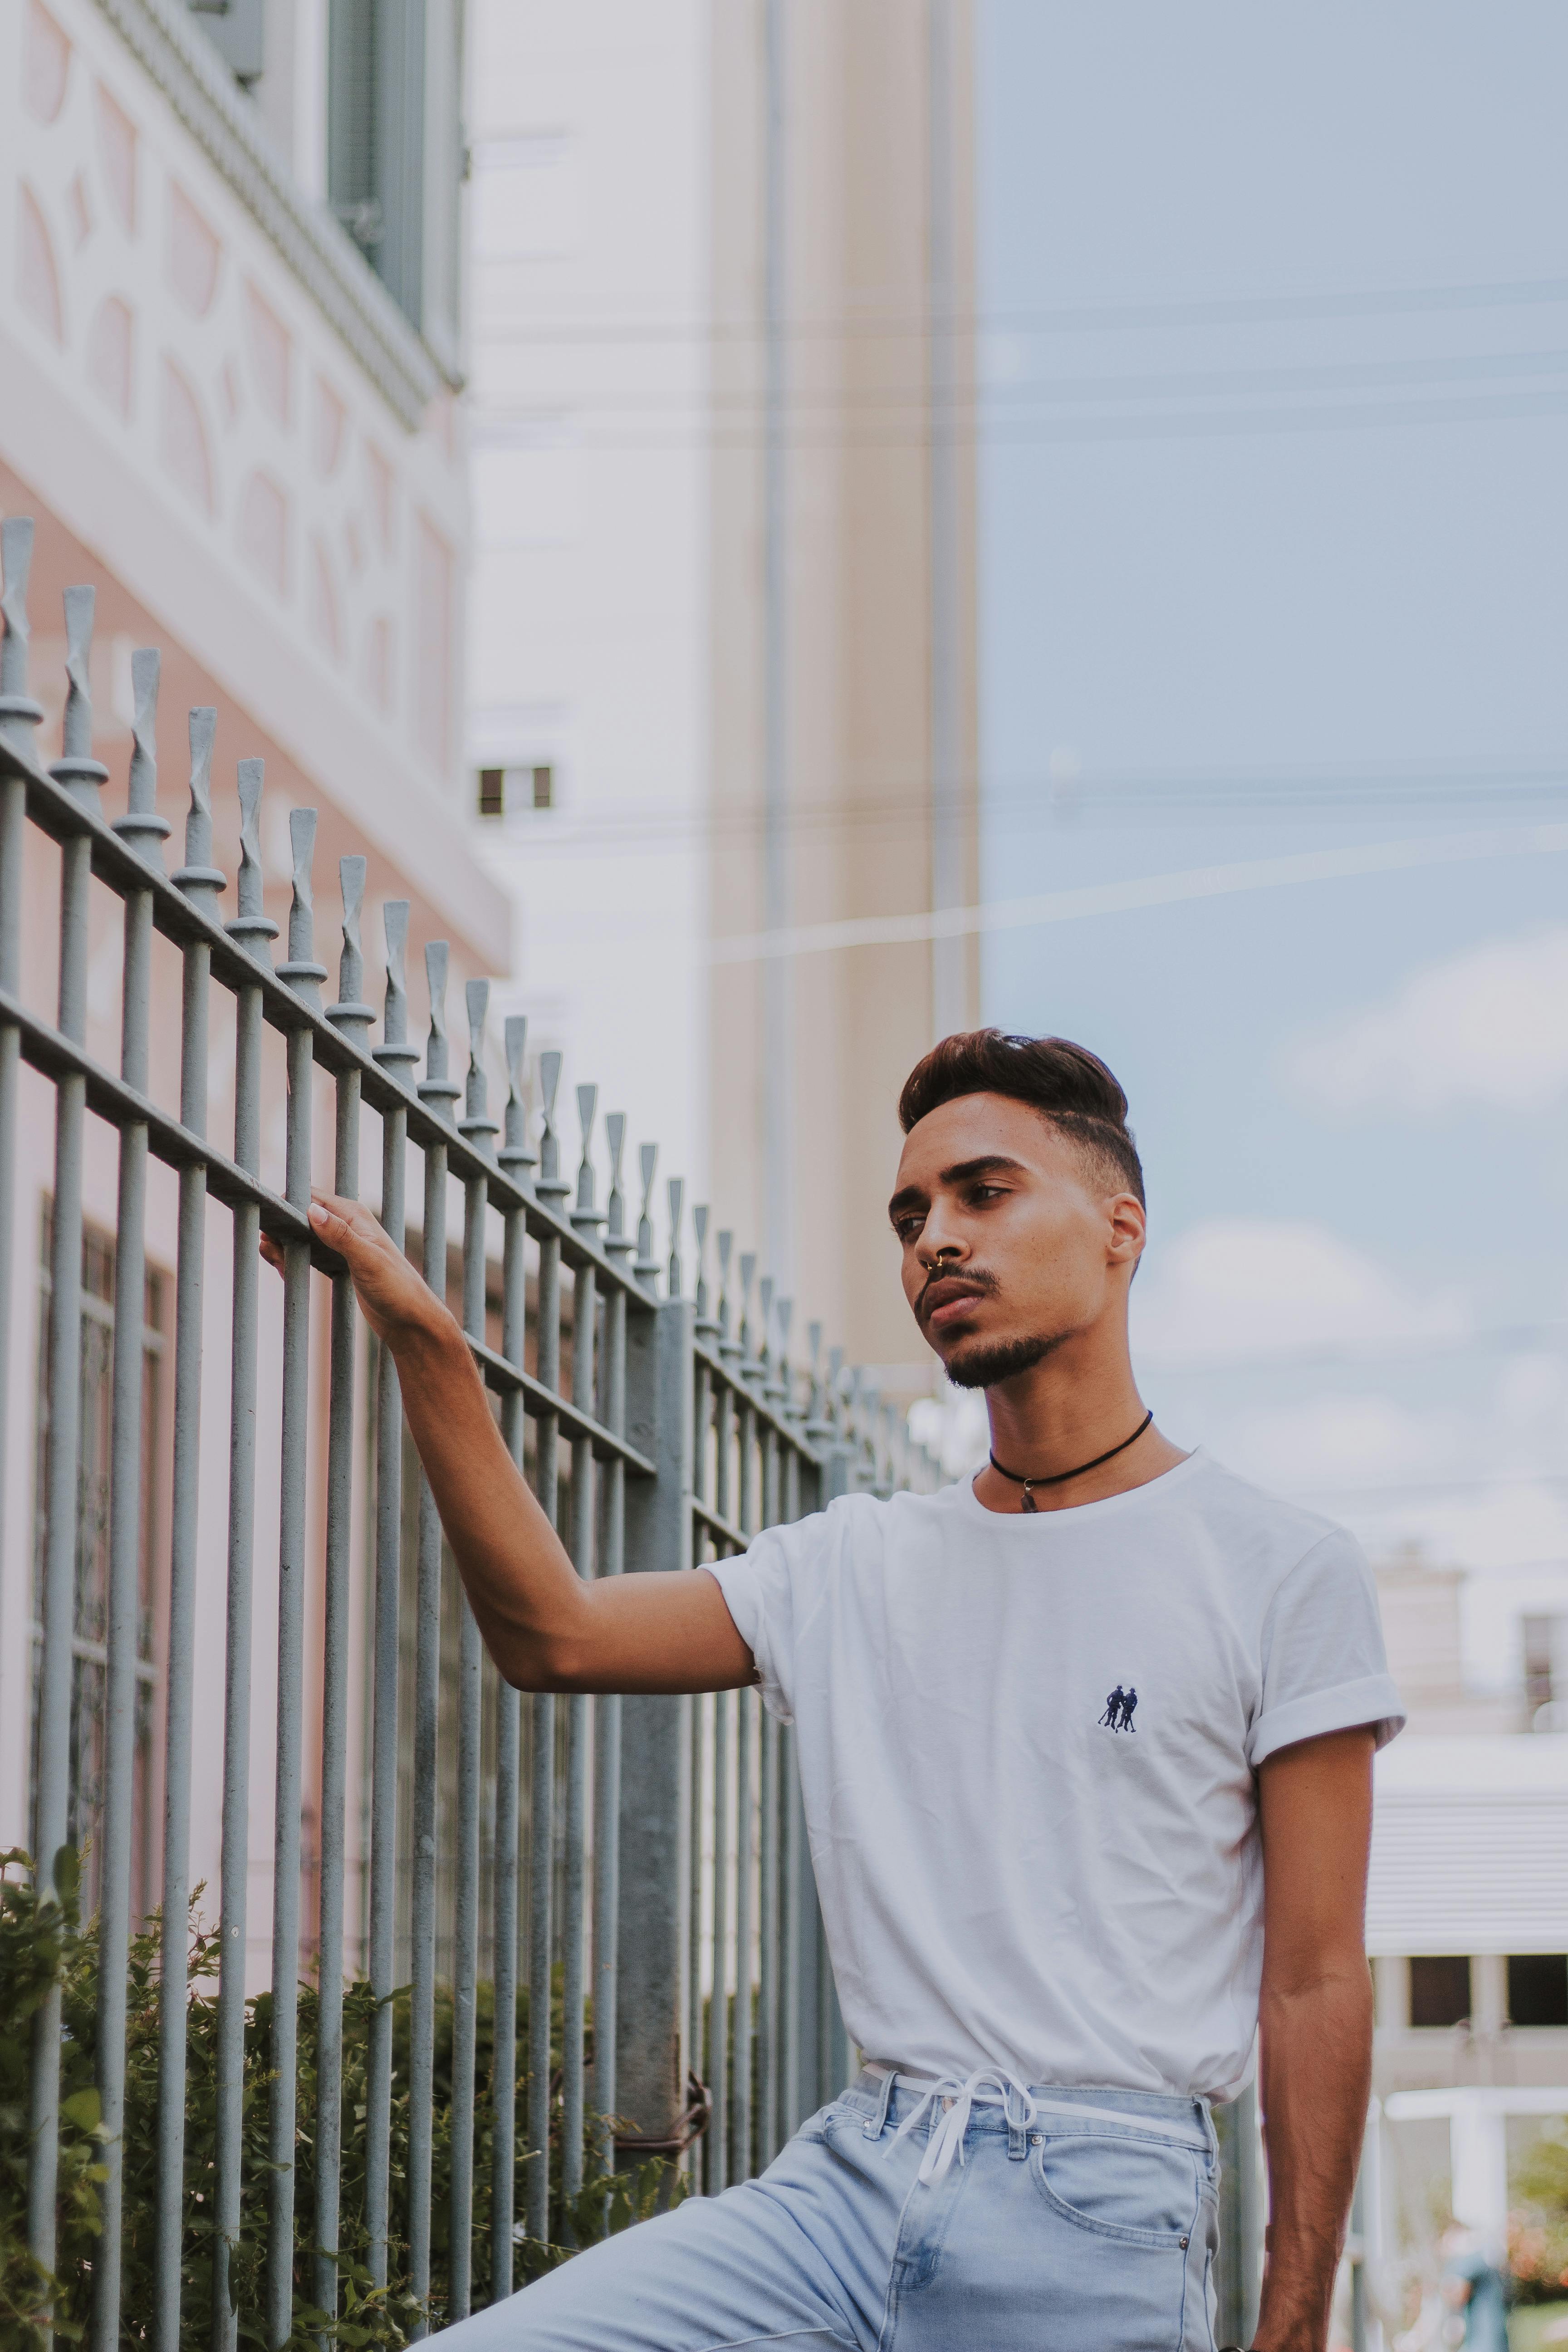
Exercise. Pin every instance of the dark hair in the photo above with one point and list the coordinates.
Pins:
(1065, 1083)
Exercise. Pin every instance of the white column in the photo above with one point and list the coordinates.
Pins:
(1478, 2155)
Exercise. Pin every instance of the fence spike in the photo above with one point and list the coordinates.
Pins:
(647, 1267)
(586, 1216)
(515, 1156)
(77, 769)
(748, 1275)
(677, 1201)
(302, 973)
(350, 1013)
(726, 1245)
(617, 1241)
(395, 1052)
(550, 1186)
(476, 1122)
(700, 1217)
(18, 711)
(142, 825)
(437, 955)
(438, 1087)
(252, 927)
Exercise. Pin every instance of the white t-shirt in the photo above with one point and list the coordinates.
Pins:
(1026, 1749)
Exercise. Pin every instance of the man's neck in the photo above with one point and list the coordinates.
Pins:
(1078, 1403)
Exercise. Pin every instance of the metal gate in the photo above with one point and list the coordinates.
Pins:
(642, 1868)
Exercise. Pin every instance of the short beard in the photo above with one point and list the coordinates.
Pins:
(983, 1367)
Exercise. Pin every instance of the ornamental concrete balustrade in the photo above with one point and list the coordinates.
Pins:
(646, 1856)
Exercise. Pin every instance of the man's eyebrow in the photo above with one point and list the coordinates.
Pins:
(990, 1163)
(962, 1171)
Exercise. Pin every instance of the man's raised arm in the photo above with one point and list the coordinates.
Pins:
(545, 1627)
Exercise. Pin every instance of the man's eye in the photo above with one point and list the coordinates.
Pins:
(907, 1228)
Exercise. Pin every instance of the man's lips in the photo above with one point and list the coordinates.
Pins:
(946, 1302)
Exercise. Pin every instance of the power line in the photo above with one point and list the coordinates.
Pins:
(870, 321)
(982, 400)
(1066, 801)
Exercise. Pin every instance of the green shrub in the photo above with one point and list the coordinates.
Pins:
(1538, 2236)
(45, 1943)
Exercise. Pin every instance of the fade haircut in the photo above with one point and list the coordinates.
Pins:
(1069, 1086)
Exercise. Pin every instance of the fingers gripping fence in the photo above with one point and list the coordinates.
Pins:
(587, 1933)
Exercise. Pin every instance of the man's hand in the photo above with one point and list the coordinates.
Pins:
(393, 1298)
(1315, 2012)
(545, 1627)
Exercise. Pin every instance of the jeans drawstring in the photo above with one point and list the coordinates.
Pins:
(988, 2086)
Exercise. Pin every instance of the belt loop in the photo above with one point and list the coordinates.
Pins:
(872, 2127)
(1016, 2144)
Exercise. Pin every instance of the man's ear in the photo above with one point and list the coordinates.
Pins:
(1128, 1229)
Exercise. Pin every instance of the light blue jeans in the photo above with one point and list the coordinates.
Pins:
(1073, 2233)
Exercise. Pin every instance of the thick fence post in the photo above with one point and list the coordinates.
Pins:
(655, 1956)
(1239, 2267)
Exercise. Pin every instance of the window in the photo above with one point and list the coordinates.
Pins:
(89, 1650)
(395, 151)
(1538, 1988)
(1540, 1646)
(531, 786)
(1439, 1990)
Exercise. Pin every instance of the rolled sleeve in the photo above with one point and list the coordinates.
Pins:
(1374, 1700)
(1324, 1667)
(756, 1588)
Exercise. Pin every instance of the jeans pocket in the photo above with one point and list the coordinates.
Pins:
(1140, 2192)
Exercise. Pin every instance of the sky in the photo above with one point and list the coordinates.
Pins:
(1274, 559)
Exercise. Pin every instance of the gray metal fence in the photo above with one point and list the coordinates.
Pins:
(644, 1858)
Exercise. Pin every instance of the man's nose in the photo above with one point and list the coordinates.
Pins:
(940, 1239)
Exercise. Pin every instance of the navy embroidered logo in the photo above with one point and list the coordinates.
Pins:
(1118, 1709)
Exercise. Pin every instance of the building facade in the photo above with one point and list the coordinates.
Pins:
(722, 673)
(228, 348)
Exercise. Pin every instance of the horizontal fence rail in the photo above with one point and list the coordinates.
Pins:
(587, 1935)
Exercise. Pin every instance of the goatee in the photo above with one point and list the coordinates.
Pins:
(983, 1367)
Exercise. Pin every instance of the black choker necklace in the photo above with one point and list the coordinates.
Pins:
(1062, 1476)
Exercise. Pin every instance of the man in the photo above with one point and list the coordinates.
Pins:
(1051, 1942)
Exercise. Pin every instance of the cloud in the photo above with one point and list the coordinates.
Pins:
(1489, 1027)
(1258, 1285)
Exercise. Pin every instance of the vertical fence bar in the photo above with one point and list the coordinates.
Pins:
(143, 828)
(351, 1018)
(741, 2161)
(585, 1218)
(438, 1089)
(82, 776)
(517, 1160)
(304, 976)
(618, 1247)
(252, 928)
(719, 1998)
(769, 1911)
(477, 1128)
(657, 1998)
(201, 882)
(542, 1806)
(395, 1054)
(20, 714)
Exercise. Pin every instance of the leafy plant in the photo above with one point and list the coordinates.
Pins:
(44, 1943)
(1538, 2235)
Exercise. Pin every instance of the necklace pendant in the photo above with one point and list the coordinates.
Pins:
(1029, 1503)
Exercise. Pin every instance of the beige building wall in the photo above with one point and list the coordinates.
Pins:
(862, 444)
